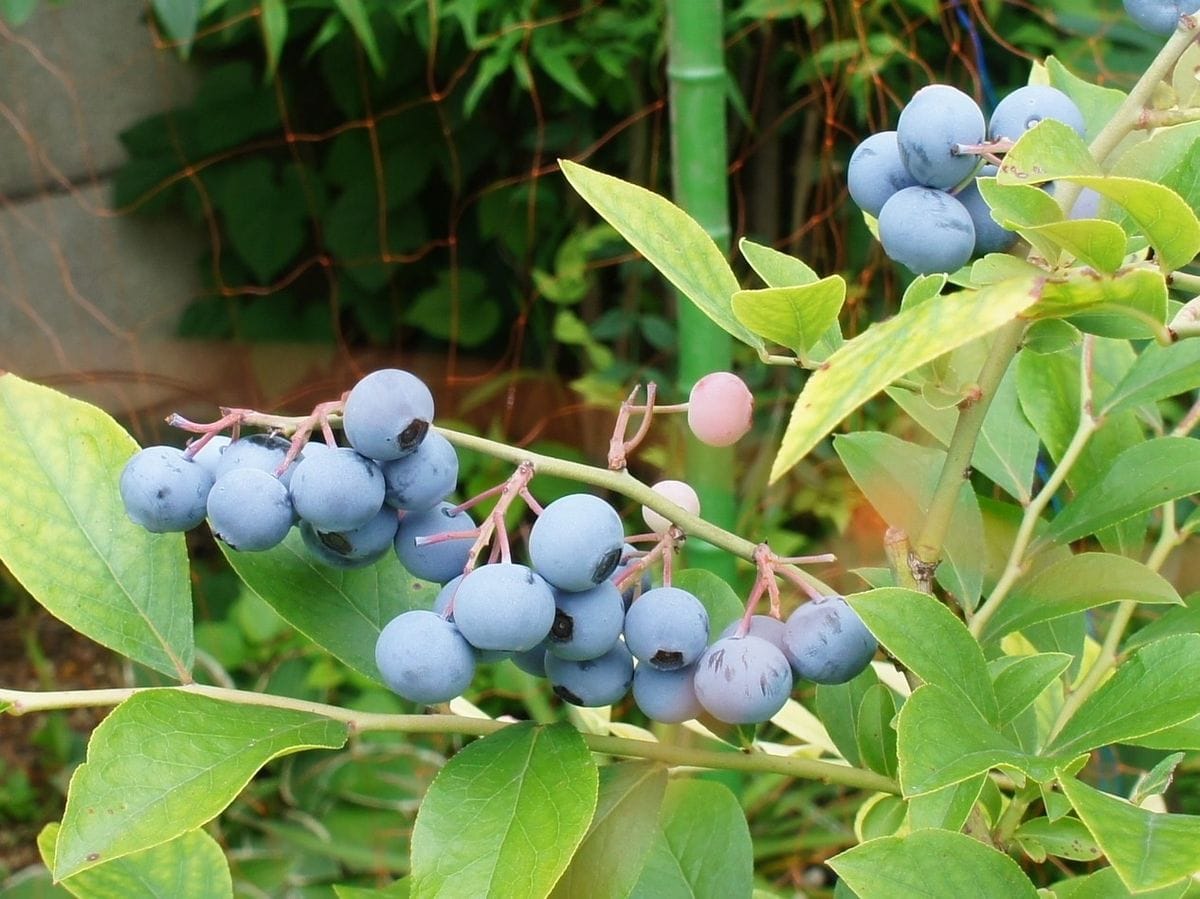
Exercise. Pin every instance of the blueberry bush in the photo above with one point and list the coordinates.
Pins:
(1017, 626)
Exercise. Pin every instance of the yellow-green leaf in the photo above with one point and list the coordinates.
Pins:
(793, 317)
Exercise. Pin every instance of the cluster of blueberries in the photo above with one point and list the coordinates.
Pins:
(921, 182)
(562, 617)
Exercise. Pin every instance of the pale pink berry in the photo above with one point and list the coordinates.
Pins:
(720, 408)
(680, 494)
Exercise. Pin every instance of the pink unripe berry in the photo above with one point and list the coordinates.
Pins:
(720, 408)
(680, 494)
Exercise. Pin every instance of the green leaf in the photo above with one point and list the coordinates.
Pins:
(274, 19)
(1106, 884)
(1156, 688)
(899, 480)
(943, 740)
(775, 268)
(166, 761)
(922, 288)
(397, 889)
(610, 859)
(876, 737)
(1149, 850)
(1019, 205)
(837, 707)
(1158, 373)
(1185, 735)
(1157, 780)
(947, 808)
(1062, 838)
(715, 594)
(356, 15)
(179, 18)
(1080, 582)
(1109, 306)
(340, 610)
(888, 350)
(1184, 619)
(1140, 479)
(702, 848)
(17, 12)
(556, 62)
(1098, 104)
(930, 641)
(671, 241)
(1048, 151)
(528, 792)
(1022, 680)
(264, 213)
(1169, 156)
(65, 536)
(930, 864)
(191, 866)
(1170, 225)
(793, 317)
(1093, 242)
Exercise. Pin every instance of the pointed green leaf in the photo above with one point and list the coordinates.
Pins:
(996, 267)
(942, 740)
(274, 20)
(1090, 302)
(356, 14)
(1149, 850)
(1140, 479)
(793, 317)
(1169, 156)
(340, 610)
(930, 864)
(1184, 619)
(1155, 688)
(1106, 884)
(899, 480)
(776, 268)
(702, 849)
(65, 536)
(876, 736)
(1170, 225)
(671, 241)
(1022, 680)
(1048, 151)
(528, 792)
(610, 859)
(1062, 838)
(930, 641)
(837, 706)
(947, 808)
(1098, 104)
(1093, 242)
(922, 288)
(191, 866)
(1019, 205)
(1185, 735)
(166, 761)
(1157, 780)
(179, 18)
(1080, 582)
(1158, 373)
(862, 367)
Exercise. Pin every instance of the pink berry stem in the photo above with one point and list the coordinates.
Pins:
(619, 448)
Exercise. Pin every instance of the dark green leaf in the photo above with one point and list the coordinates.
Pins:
(1156, 688)
(1063, 838)
(876, 736)
(191, 866)
(1182, 620)
(1074, 584)
(1158, 373)
(1020, 682)
(1157, 780)
(930, 641)
(947, 808)
(715, 594)
(888, 350)
(899, 480)
(274, 18)
(703, 847)
(264, 214)
(65, 536)
(1149, 850)
(1106, 884)
(930, 864)
(837, 707)
(528, 792)
(166, 761)
(610, 859)
(179, 18)
(670, 240)
(356, 14)
(340, 610)
(1140, 479)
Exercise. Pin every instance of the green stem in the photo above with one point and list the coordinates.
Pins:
(23, 702)
(928, 550)
(1010, 820)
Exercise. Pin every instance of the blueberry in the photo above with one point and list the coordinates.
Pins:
(504, 606)
(576, 542)
(424, 477)
(667, 628)
(339, 490)
(936, 120)
(827, 642)
(876, 171)
(586, 624)
(356, 548)
(666, 696)
(1028, 105)
(442, 561)
(424, 658)
(926, 230)
(591, 682)
(249, 510)
(388, 414)
(742, 680)
(163, 491)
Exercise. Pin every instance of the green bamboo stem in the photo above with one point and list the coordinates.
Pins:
(23, 702)
(699, 161)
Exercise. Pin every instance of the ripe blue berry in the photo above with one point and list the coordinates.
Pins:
(743, 680)
(592, 682)
(424, 658)
(1158, 16)
(339, 490)
(387, 414)
(827, 642)
(667, 628)
(576, 542)
(163, 491)
(1028, 105)
(990, 236)
(209, 455)
(265, 452)
(926, 231)
(438, 562)
(762, 626)
(504, 606)
(249, 510)
(424, 477)
(876, 171)
(586, 624)
(532, 661)
(666, 696)
(936, 120)
(356, 548)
